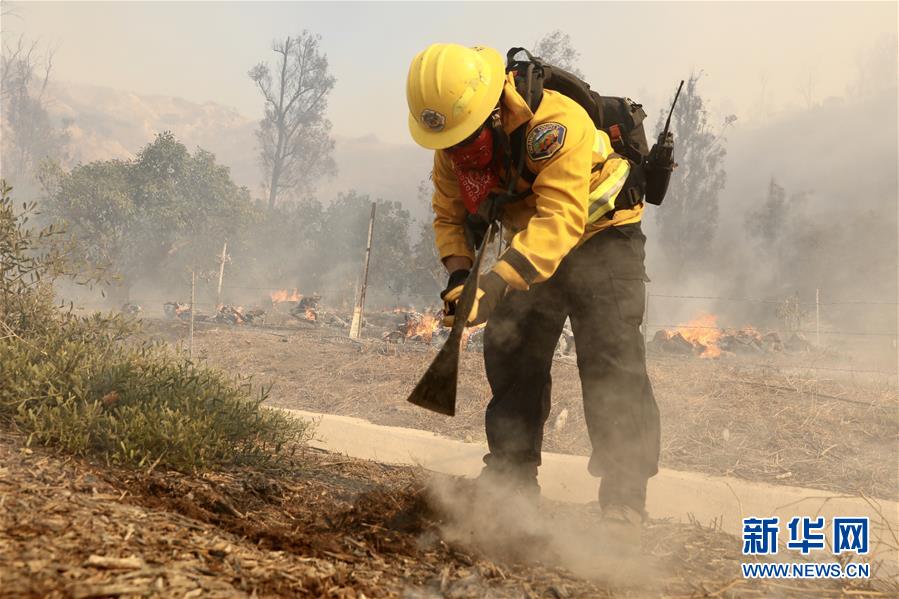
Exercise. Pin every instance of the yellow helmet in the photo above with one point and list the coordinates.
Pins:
(451, 90)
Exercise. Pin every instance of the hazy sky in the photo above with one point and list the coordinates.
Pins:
(756, 56)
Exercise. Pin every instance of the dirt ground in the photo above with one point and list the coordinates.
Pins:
(325, 526)
(725, 417)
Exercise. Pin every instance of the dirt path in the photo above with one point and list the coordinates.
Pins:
(324, 526)
(718, 417)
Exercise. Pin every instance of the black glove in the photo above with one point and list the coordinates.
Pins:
(451, 294)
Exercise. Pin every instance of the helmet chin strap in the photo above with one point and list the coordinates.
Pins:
(495, 203)
(503, 143)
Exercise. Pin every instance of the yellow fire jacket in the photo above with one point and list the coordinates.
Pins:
(577, 180)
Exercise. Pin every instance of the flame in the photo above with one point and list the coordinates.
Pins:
(703, 332)
(425, 327)
(285, 295)
(311, 315)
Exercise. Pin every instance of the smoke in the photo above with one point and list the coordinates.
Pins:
(511, 528)
(809, 208)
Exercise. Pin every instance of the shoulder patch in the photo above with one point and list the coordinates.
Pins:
(544, 140)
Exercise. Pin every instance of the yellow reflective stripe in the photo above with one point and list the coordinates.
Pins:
(602, 199)
(602, 145)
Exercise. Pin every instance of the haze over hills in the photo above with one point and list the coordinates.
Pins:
(108, 123)
(795, 147)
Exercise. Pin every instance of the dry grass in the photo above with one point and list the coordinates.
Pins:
(718, 417)
(765, 424)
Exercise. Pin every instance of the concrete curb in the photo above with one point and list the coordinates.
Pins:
(680, 496)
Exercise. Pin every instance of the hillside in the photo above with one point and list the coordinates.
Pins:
(107, 123)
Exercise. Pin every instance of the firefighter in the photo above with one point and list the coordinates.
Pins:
(570, 254)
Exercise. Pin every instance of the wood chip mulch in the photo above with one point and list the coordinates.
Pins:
(322, 525)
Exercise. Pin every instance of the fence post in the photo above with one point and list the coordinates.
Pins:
(221, 273)
(358, 311)
(193, 287)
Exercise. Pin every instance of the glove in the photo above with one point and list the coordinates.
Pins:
(454, 291)
(491, 289)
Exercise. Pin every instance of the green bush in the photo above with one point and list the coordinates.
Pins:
(87, 385)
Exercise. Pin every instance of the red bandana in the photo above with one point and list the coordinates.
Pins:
(473, 164)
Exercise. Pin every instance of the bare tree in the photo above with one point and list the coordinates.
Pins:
(295, 143)
(29, 135)
(556, 49)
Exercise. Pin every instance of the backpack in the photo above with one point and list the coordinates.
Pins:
(621, 118)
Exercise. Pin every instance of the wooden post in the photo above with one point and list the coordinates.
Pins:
(193, 293)
(221, 273)
(356, 320)
(371, 225)
(359, 309)
(818, 317)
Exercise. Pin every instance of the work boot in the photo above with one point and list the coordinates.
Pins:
(504, 480)
(621, 528)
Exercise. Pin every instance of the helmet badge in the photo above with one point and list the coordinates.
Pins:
(432, 119)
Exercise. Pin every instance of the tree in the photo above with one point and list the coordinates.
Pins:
(427, 275)
(766, 222)
(29, 134)
(689, 217)
(282, 248)
(95, 202)
(556, 49)
(774, 225)
(162, 211)
(294, 136)
(340, 249)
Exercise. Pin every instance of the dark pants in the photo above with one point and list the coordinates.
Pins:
(600, 285)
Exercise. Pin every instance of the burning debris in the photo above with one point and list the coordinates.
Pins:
(702, 333)
(703, 337)
(285, 295)
(428, 328)
(236, 315)
(416, 326)
(306, 308)
(421, 327)
(749, 340)
(226, 314)
(176, 310)
(672, 343)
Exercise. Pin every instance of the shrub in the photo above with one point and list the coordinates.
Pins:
(87, 385)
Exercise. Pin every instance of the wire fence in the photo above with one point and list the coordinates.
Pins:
(779, 301)
(821, 312)
(652, 307)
